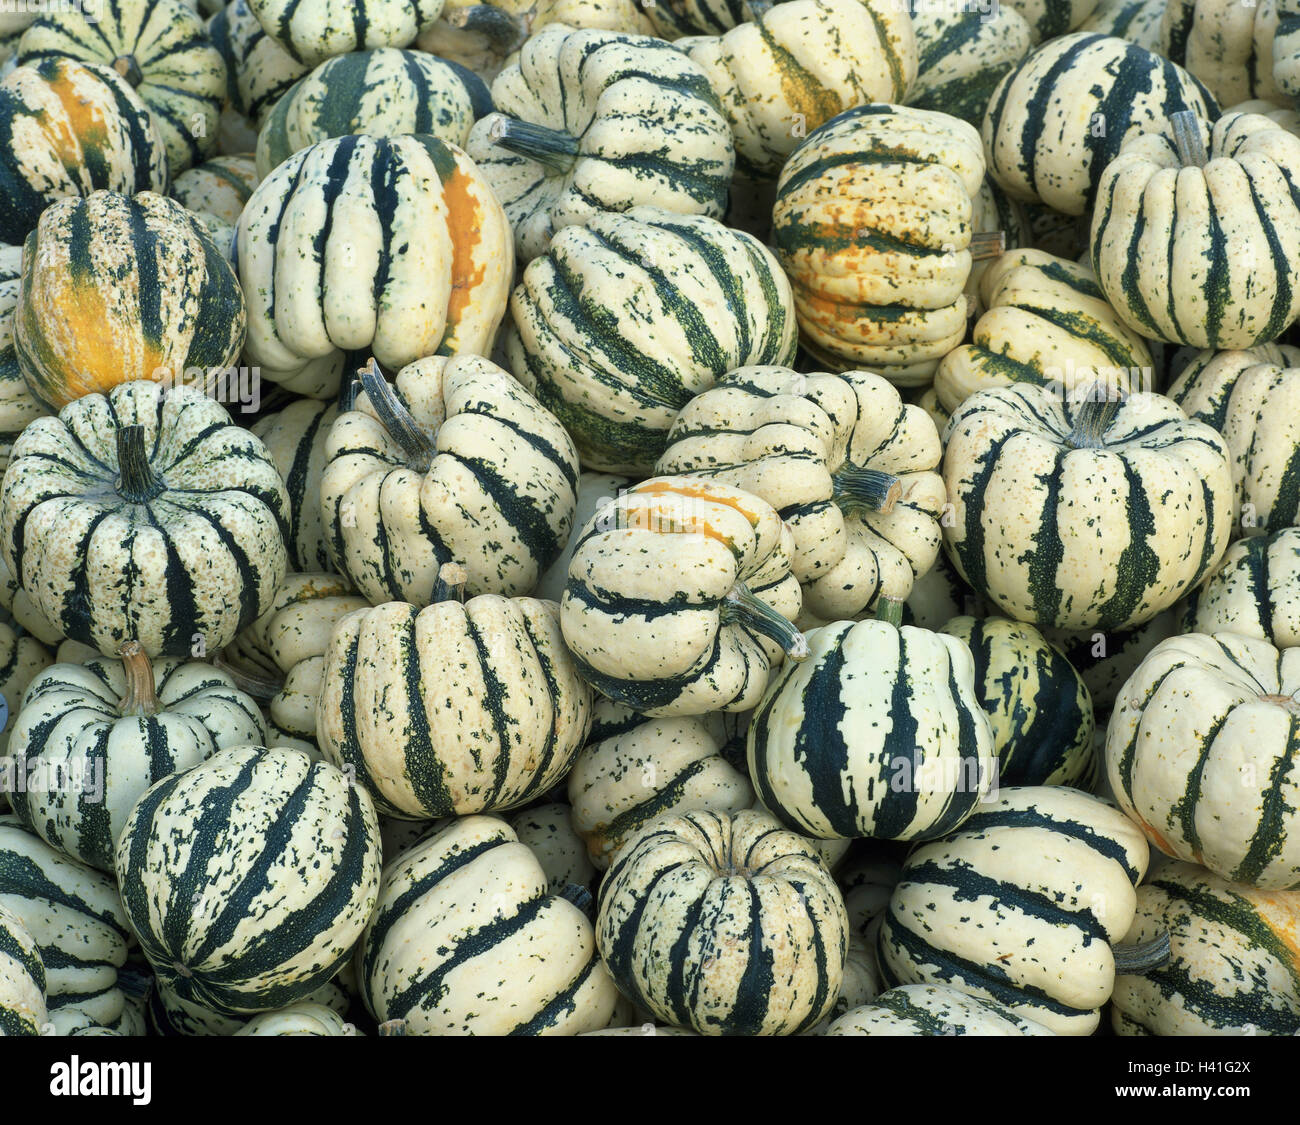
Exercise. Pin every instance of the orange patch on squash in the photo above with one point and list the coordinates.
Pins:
(464, 225)
(82, 125)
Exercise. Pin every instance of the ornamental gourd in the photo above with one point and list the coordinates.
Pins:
(223, 912)
(170, 1015)
(1172, 266)
(595, 121)
(1254, 591)
(21, 658)
(1198, 752)
(680, 598)
(322, 29)
(302, 1018)
(1105, 660)
(392, 244)
(221, 186)
(933, 1009)
(1049, 19)
(453, 462)
(296, 438)
(169, 308)
(17, 406)
(850, 468)
(1138, 21)
(727, 925)
(22, 979)
(1074, 514)
(158, 484)
(258, 69)
(1226, 44)
(593, 491)
(628, 317)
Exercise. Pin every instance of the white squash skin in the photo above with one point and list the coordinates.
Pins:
(22, 979)
(324, 28)
(1226, 44)
(1254, 591)
(932, 1009)
(548, 831)
(303, 1018)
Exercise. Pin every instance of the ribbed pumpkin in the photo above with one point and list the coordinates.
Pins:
(680, 598)
(395, 245)
(593, 491)
(453, 462)
(162, 50)
(1200, 751)
(497, 954)
(385, 93)
(302, 1018)
(170, 1015)
(1174, 267)
(1228, 45)
(21, 658)
(117, 288)
(220, 186)
(102, 732)
(1235, 959)
(262, 899)
(258, 69)
(628, 317)
(322, 29)
(878, 733)
(850, 468)
(594, 121)
(1049, 19)
(1286, 48)
(452, 709)
(1046, 322)
(1021, 906)
(1254, 591)
(17, 406)
(296, 437)
(1075, 514)
(1061, 116)
(797, 65)
(160, 485)
(547, 831)
(1138, 21)
(22, 979)
(69, 129)
(872, 224)
(933, 1009)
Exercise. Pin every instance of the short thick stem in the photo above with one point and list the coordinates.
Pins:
(551, 147)
(259, 687)
(744, 609)
(1142, 957)
(987, 244)
(395, 418)
(889, 609)
(858, 490)
(141, 697)
(1188, 141)
(137, 482)
(129, 68)
(1290, 703)
(1092, 418)
(504, 30)
(449, 586)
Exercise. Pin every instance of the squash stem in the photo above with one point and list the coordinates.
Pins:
(129, 68)
(395, 418)
(259, 687)
(392, 1027)
(889, 609)
(141, 696)
(504, 30)
(1092, 417)
(857, 489)
(580, 896)
(1188, 141)
(449, 586)
(138, 483)
(744, 609)
(987, 244)
(551, 147)
(1142, 957)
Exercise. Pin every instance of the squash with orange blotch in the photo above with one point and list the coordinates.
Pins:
(116, 288)
(395, 245)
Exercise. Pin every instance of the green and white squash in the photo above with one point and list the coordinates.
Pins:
(676, 19)
(994, 212)
(498, 953)
(933, 1009)
(158, 484)
(1049, 19)
(1281, 114)
(392, 244)
(12, 25)
(22, 979)
(547, 831)
(1254, 591)
(1073, 514)
(160, 47)
(594, 490)
(107, 730)
(296, 438)
(848, 466)
(170, 1015)
(258, 69)
(322, 29)
(22, 657)
(680, 598)
(385, 93)
(1021, 906)
(1105, 658)
(1202, 751)
(1227, 44)
(592, 122)
(263, 898)
(727, 925)
(302, 1018)
(17, 406)
(1175, 268)
(1061, 116)
(1138, 21)
(221, 186)
(669, 303)
(1286, 48)
(940, 595)
(1234, 967)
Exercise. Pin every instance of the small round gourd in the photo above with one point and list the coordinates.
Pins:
(1228, 45)
(302, 1018)
(322, 29)
(1254, 591)
(258, 69)
(221, 186)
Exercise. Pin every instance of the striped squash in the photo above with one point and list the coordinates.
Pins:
(322, 29)
(594, 490)
(847, 465)
(963, 51)
(680, 598)
(302, 1018)
(1286, 48)
(879, 733)
(1284, 115)
(296, 437)
(22, 979)
(1174, 268)
(669, 303)
(595, 121)
(169, 308)
(258, 69)
(727, 925)
(171, 1015)
(70, 129)
(198, 522)
(263, 898)
(468, 940)
(1138, 21)
(676, 19)
(18, 606)
(160, 47)
(1106, 658)
(17, 406)
(1202, 749)
(99, 734)
(635, 769)
(13, 22)
(1073, 514)
(547, 831)
(1049, 19)
(395, 245)
(220, 186)
(1046, 322)
(1228, 45)
(1037, 704)
(872, 224)
(1252, 397)
(385, 93)
(405, 691)
(933, 1009)
(453, 462)
(994, 211)
(22, 657)
(939, 595)
(866, 882)
(74, 915)
(1021, 906)
(1235, 959)
(1061, 116)
(1254, 591)
(797, 65)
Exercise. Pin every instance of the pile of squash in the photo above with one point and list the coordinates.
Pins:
(589, 517)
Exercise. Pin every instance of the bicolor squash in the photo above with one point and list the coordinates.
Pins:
(1106, 658)
(1138, 21)
(22, 658)
(220, 186)
(547, 831)
(933, 1009)
(1254, 591)
(302, 1018)
(296, 438)
(17, 406)
(1050, 19)
(1228, 45)
(322, 29)
(258, 69)
(22, 979)
(594, 490)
